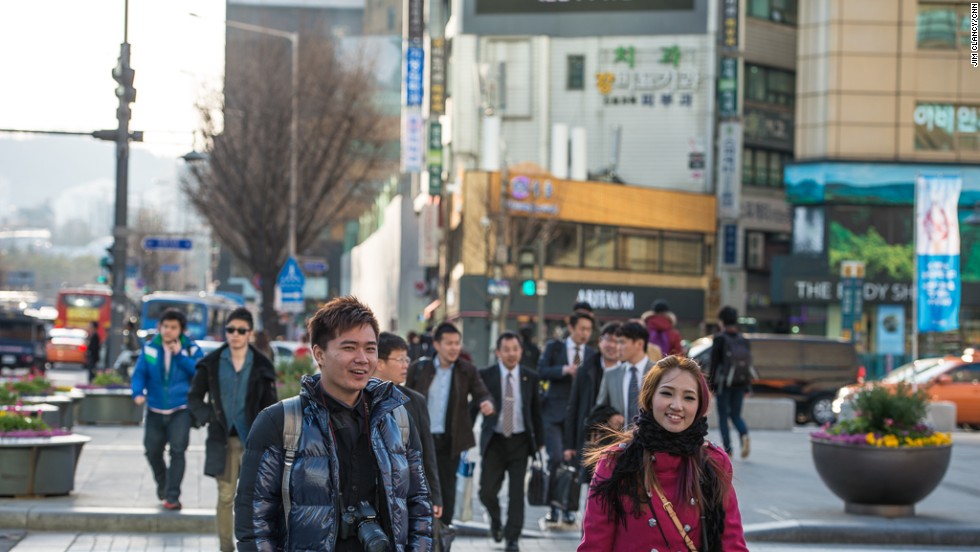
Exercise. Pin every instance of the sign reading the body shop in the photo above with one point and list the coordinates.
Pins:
(559, 6)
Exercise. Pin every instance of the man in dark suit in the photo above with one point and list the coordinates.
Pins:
(509, 436)
(585, 388)
(448, 382)
(557, 367)
(393, 366)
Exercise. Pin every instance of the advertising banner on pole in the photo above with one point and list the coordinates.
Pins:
(729, 169)
(937, 249)
(890, 330)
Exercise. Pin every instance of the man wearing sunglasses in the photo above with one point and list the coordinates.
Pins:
(232, 385)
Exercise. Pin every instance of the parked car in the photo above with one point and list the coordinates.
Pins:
(808, 369)
(287, 351)
(23, 340)
(952, 378)
(67, 346)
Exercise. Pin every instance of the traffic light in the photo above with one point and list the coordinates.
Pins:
(105, 263)
(123, 74)
(527, 260)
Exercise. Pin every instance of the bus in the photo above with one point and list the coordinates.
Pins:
(77, 307)
(206, 313)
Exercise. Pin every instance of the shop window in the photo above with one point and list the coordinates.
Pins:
(576, 73)
(638, 252)
(683, 254)
(563, 247)
(943, 26)
(779, 11)
(599, 247)
(768, 85)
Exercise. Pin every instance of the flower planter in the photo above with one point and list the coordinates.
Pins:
(44, 466)
(880, 481)
(109, 406)
(48, 413)
(65, 412)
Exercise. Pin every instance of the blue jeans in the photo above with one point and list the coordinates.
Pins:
(162, 429)
(729, 405)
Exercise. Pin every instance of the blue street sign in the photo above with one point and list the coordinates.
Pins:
(167, 243)
(170, 268)
(315, 266)
(291, 281)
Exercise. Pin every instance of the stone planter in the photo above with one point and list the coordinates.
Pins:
(880, 481)
(65, 411)
(109, 406)
(45, 466)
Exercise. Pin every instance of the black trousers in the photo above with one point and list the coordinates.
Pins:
(447, 464)
(505, 455)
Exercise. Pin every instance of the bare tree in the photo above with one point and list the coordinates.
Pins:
(243, 191)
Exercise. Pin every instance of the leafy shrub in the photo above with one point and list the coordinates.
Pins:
(289, 374)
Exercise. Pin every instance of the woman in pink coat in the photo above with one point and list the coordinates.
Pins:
(663, 466)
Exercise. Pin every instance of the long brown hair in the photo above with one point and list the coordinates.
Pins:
(692, 470)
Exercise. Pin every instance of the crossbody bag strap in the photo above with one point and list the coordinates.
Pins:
(669, 508)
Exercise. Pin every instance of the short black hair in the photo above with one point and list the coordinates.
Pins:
(337, 316)
(610, 328)
(728, 315)
(243, 314)
(634, 331)
(443, 329)
(388, 342)
(575, 317)
(508, 335)
(174, 314)
(582, 306)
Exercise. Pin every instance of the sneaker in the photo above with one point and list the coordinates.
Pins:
(512, 546)
(569, 518)
(745, 446)
(552, 517)
(171, 505)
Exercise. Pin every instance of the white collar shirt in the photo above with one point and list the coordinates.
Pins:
(518, 402)
(641, 370)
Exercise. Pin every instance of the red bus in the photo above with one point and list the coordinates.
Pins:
(77, 307)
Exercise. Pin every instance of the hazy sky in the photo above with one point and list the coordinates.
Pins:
(55, 71)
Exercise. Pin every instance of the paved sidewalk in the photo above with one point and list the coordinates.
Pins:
(781, 498)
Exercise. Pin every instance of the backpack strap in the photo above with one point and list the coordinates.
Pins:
(291, 425)
(401, 416)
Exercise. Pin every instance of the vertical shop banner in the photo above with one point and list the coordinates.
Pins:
(729, 24)
(728, 88)
(437, 77)
(413, 141)
(937, 249)
(414, 22)
(434, 158)
(414, 70)
(729, 169)
(852, 299)
(890, 330)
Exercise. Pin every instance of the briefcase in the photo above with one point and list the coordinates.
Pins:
(537, 482)
(562, 488)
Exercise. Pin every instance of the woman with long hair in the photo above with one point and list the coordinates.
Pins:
(661, 486)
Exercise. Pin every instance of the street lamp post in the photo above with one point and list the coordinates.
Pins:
(293, 38)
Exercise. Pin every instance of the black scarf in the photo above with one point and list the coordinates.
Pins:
(626, 479)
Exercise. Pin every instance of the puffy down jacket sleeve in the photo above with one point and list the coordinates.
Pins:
(259, 518)
(419, 507)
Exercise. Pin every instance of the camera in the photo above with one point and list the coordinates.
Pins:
(363, 522)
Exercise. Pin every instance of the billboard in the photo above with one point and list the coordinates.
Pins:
(937, 249)
(584, 17)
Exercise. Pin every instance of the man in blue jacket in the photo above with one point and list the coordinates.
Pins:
(161, 380)
(356, 480)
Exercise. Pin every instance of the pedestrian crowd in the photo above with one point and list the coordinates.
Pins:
(366, 457)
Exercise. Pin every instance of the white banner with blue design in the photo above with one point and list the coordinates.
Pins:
(937, 239)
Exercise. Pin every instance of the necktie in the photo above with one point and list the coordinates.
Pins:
(633, 401)
(508, 422)
(578, 358)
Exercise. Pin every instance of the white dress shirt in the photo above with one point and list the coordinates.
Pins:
(640, 370)
(518, 403)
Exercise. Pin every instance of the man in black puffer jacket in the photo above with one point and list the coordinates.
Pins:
(351, 453)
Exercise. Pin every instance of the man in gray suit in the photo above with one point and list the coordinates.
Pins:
(620, 388)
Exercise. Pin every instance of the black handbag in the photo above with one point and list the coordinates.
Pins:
(442, 535)
(562, 488)
(537, 482)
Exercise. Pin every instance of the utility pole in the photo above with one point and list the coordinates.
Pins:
(124, 75)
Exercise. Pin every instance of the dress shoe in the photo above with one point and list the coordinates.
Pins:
(569, 518)
(172, 505)
(512, 546)
(745, 446)
(497, 534)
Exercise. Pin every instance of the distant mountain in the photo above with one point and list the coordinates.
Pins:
(34, 170)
